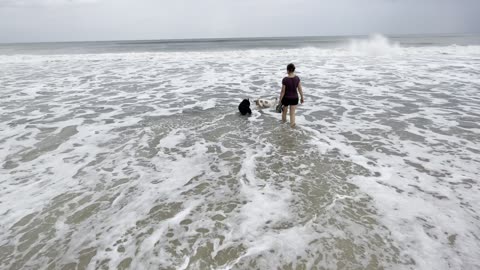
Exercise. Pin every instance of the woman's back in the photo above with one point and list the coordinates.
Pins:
(291, 84)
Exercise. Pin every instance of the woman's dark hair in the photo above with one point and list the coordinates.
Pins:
(291, 68)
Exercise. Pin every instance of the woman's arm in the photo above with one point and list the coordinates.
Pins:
(282, 93)
(300, 90)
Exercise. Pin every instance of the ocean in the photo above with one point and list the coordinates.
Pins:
(132, 154)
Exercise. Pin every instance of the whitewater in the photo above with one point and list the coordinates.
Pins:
(140, 160)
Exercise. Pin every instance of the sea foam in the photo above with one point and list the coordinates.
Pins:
(141, 160)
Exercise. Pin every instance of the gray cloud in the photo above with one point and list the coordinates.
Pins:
(54, 20)
(41, 3)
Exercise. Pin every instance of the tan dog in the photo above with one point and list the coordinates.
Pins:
(265, 103)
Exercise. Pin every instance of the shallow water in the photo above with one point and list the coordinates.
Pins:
(141, 160)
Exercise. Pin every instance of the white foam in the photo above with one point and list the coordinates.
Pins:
(176, 137)
(400, 124)
(375, 45)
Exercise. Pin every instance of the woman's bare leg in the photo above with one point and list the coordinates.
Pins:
(292, 115)
(284, 114)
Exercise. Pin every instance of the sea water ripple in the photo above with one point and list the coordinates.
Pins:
(141, 161)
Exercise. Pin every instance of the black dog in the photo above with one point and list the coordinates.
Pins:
(244, 107)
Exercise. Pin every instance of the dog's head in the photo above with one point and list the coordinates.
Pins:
(245, 102)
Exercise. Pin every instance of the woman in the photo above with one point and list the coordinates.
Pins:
(289, 94)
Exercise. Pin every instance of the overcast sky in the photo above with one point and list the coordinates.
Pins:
(78, 20)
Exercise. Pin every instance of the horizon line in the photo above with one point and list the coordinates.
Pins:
(239, 38)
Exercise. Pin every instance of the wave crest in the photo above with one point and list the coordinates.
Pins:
(375, 45)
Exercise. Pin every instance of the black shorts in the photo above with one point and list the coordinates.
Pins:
(286, 101)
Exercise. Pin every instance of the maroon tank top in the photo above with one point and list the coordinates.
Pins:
(291, 85)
